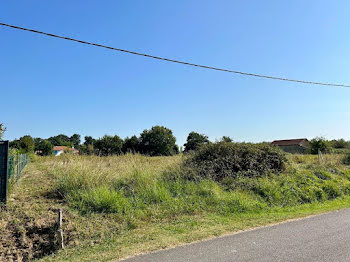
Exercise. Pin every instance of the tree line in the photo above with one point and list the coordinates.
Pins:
(157, 141)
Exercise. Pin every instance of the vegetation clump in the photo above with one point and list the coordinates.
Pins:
(195, 141)
(319, 144)
(346, 160)
(221, 160)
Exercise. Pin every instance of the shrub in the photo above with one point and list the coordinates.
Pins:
(319, 143)
(222, 160)
(340, 143)
(346, 160)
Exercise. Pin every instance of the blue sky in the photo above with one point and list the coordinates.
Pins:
(50, 86)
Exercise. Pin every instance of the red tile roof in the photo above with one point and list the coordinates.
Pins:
(63, 148)
(59, 148)
(289, 142)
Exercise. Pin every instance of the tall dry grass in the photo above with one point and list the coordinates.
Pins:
(138, 187)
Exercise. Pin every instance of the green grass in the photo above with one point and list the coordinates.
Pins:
(136, 187)
(124, 205)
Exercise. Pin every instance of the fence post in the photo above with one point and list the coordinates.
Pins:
(4, 154)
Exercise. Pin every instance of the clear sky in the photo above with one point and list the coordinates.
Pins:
(50, 86)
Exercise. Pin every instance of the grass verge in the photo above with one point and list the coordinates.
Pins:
(187, 229)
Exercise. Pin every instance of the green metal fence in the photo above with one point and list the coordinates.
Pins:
(15, 166)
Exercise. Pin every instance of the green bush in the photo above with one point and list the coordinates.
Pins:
(319, 144)
(346, 160)
(221, 160)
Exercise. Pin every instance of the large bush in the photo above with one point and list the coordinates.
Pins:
(158, 141)
(222, 160)
(339, 144)
(346, 160)
(319, 144)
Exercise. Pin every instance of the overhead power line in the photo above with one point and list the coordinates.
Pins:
(176, 61)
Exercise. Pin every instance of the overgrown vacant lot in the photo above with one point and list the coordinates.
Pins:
(124, 205)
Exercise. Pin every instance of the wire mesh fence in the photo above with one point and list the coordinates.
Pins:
(16, 164)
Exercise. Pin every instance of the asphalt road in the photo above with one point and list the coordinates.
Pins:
(319, 238)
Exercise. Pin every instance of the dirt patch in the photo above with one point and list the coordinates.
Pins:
(27, 239)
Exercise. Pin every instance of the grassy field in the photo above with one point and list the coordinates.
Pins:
(120, 206)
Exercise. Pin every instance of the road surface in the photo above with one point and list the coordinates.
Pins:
(319, 238)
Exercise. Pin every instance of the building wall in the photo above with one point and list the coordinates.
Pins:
(294, 149)
(58, 152)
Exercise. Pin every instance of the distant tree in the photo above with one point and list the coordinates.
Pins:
(27, 144)
(87, 147)
(15, 144)
(176, 149)
(319, 143)
(226, 139)
(37, 141)
(2, 130)
(43, 147)
(109, 145)
(181, 150)
(75, 140)
(131, 145)
(195, 141)
(158, 141)
(340, 143)
(60, 140)
(89, 140)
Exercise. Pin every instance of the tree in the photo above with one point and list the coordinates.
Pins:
(226, 139)
(176, 149)
(131, 145)
(319, 143)
(89, 140)
(43, 147)
(27, 144)
(195, 141)
(88, 146)
(60, 140)
(340, 143)
(2, 130)
(15, 144)
(157, 141)
(109, 145)
(75, 140)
